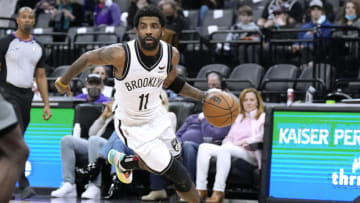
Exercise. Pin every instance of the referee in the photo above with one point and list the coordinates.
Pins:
(21, 59)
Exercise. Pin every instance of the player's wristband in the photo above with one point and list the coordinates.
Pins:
(61, 84)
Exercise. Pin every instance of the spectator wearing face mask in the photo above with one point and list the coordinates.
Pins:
(350, 14)
(175, 21)
(94, 86)
(295, 12)
(107, 13)
(135, 5)
(108, 91)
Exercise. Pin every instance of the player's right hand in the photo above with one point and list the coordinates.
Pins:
(62, 88)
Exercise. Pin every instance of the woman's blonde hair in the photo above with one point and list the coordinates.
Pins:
(260, 103)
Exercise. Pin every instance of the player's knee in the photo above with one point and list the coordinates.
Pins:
(18, 152)
(23, 152)
(179, 176)
(184, 186)
(67, 141)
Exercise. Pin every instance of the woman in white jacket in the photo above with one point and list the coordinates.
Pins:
(248, 128)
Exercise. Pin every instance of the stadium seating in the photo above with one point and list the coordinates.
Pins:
(245, 76)
(277, 79)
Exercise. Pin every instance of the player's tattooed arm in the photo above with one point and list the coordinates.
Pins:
(109, 55)
(187, 90)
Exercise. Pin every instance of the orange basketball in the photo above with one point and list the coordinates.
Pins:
(220, 108)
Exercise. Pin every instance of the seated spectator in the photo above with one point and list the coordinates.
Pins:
(76, 148)
(45, 6)
(215, 81)
(350, 14)
(107, 13)
(67, 14)
(194, 131)
(175, 21)
(244, 23)
(328, 10)
(248, 128)
(107, 90)
(282, 20)
(94, 86)
(318, 19)
(293, 6)
(134, 6)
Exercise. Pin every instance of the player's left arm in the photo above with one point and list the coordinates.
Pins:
(42, 84)
(177, 84)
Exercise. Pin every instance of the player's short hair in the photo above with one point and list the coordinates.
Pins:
(149, 11)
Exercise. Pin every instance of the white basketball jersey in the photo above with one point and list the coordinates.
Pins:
(137, 96)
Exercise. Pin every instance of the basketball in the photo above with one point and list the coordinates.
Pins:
(220, 108)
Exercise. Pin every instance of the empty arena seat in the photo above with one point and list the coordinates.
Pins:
(86, 114)
(248, 75)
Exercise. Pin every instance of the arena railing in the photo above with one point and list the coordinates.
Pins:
(234, 47)
(57, 48)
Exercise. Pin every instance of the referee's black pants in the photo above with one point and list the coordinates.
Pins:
(21, 99)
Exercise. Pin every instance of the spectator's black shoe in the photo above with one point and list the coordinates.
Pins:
(82, 174)
(91, 171)
(95, 168)
(27, 193)
(114, 188)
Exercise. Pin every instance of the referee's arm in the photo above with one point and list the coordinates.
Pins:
(42, 84)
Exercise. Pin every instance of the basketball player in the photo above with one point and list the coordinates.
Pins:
(13, 150)
(141, 68)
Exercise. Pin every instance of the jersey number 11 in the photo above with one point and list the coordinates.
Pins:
(144, 98)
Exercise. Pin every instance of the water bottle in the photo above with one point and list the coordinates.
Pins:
(309, 94)
(77, 130)
(290, 96)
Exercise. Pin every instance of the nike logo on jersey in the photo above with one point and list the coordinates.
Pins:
(161, 67)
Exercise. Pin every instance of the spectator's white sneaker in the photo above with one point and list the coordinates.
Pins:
(92, 192)
(66, 190)
(155, 195)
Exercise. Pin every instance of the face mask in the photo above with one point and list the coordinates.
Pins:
(27, 28)
(169, 18)
(348, 17)
(94, 92)
(321, 20)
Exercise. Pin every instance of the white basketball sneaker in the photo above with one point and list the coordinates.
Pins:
(66, 190)
(92, 192)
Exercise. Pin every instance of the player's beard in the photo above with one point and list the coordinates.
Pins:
(147, 46)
